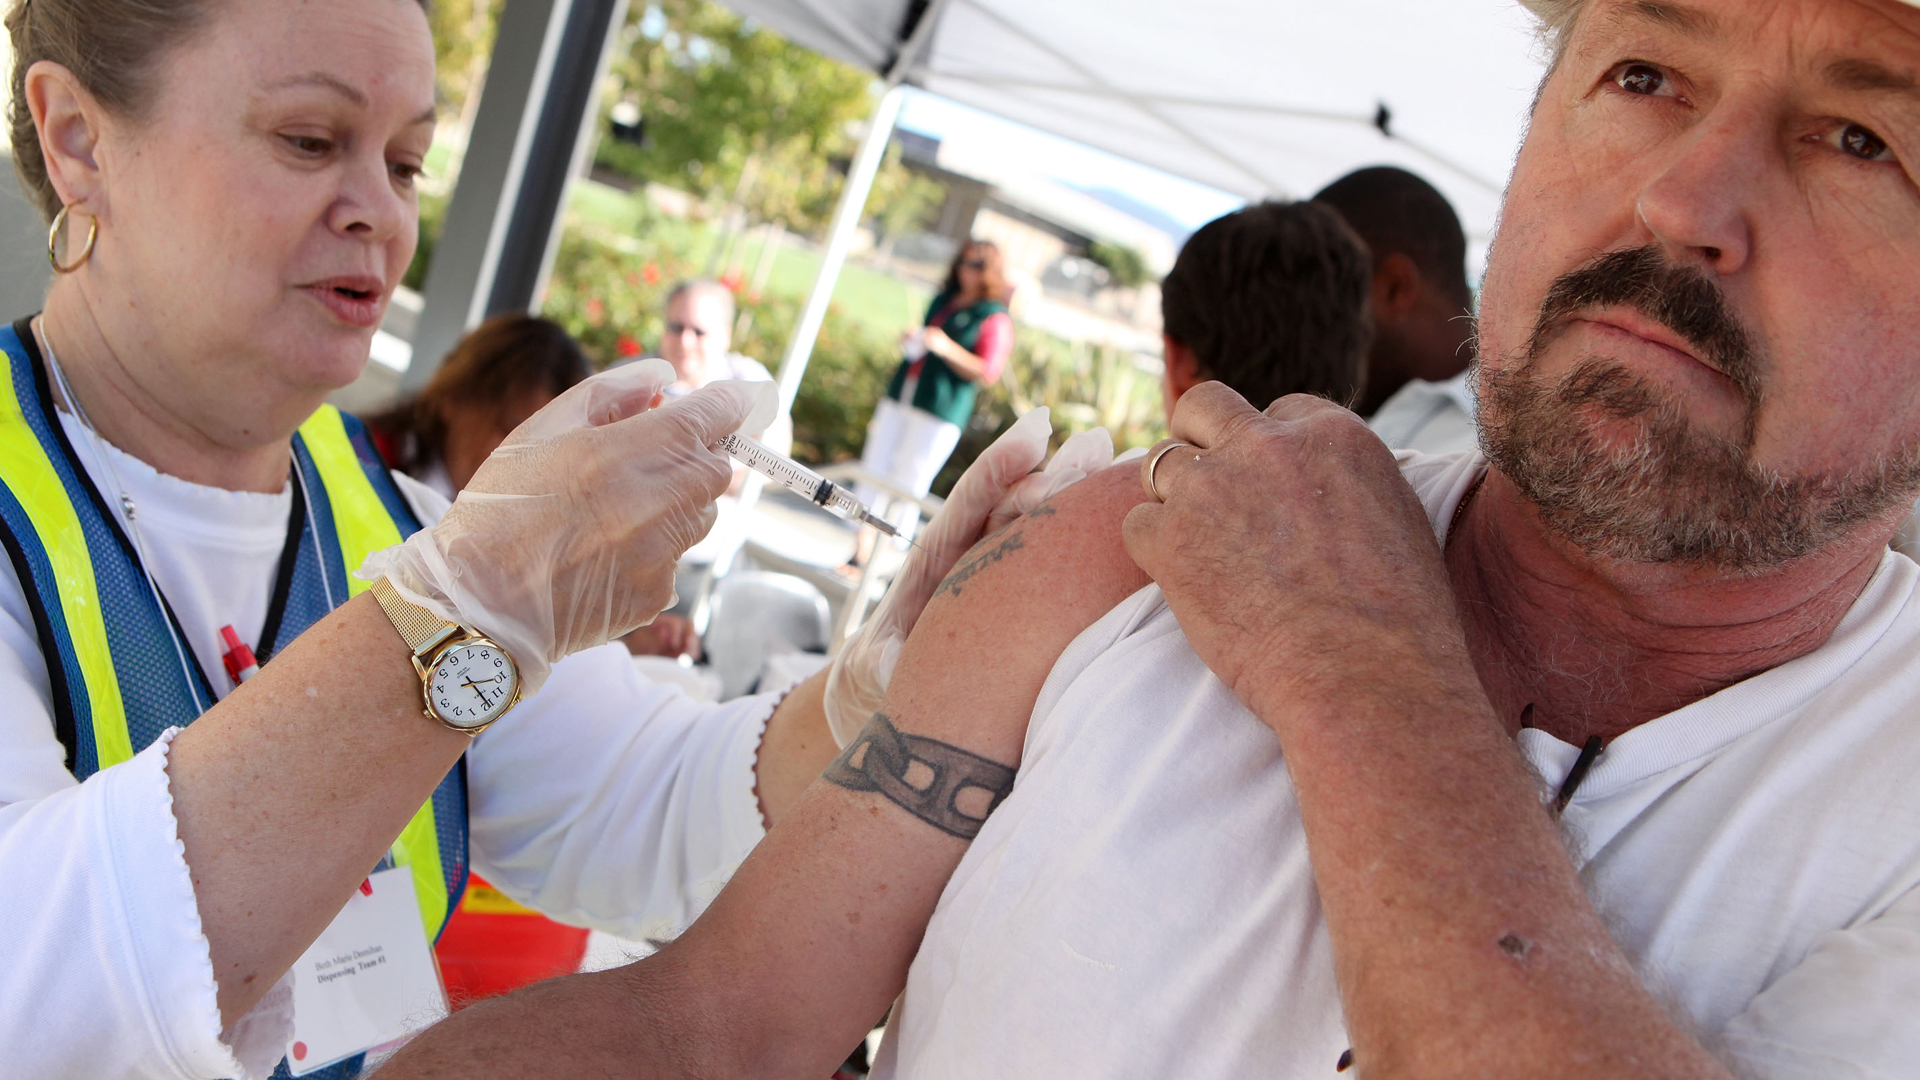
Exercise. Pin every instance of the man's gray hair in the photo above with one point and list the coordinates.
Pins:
(1556, 21)
(705, 285)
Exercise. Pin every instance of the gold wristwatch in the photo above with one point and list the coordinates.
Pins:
(467, 681)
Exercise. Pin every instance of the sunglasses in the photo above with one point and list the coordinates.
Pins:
(675, 329)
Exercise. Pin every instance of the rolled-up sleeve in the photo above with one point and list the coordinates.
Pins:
(613, 802)
(107, 970)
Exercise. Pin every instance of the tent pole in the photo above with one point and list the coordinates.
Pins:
(532, 129)
(922, 17)
(846, 218)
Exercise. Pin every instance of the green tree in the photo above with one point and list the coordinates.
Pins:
(901, 200)
(715, 92)
(463, 33)
(1126, 265)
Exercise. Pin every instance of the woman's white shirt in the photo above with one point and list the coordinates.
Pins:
(604, 800)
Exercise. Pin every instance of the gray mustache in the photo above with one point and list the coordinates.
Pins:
(1682, 298)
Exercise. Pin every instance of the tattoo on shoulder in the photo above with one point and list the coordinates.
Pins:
(944, 786)
(1009, 539)
(986, 556)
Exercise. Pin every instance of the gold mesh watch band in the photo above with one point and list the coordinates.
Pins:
(419, 627)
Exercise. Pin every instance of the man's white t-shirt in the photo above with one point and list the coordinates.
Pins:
(734, 513)
(603, 800)
(1143, 903)
(1431, 417)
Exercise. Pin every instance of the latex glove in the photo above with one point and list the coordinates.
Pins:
(998, 487)
(568, 534)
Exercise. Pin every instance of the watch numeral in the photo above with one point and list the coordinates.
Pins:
(453, 679)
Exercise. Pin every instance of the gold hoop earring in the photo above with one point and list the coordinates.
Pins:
(53, 242)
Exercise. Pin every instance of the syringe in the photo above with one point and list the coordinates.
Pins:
(803, 481)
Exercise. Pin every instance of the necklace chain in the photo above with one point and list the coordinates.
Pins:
(1460, 510)
(97, 444)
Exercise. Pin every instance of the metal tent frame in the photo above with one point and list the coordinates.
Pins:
(1260, 98)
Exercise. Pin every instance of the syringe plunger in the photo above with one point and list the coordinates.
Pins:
(801, 480)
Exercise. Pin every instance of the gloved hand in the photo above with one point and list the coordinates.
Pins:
(567, 536)
(998, 487)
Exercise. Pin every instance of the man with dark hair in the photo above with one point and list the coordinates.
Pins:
(696, 337)
(1416, 396)
(1270, 300)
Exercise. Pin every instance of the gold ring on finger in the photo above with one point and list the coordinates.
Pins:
(1154, 467)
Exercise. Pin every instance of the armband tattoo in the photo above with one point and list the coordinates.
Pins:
(926, 778)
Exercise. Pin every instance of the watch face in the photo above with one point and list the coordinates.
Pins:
(472, 684)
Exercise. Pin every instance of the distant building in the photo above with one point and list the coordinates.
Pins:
(1045, 228)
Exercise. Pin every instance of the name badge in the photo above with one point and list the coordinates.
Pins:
(369, 979)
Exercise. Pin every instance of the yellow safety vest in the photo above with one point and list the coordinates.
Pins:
(117, 677)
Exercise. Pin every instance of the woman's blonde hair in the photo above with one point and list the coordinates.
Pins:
(113, 47)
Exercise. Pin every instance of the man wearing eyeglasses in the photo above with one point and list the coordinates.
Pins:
(698, 337)
(697, 340)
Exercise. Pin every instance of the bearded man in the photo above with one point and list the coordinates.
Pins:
(1589, 756)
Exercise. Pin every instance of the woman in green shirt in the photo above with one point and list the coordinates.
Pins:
(962, 346)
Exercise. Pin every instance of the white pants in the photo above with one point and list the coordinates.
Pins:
(908, 446)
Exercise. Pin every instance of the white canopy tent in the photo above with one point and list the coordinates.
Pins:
(1259, 98)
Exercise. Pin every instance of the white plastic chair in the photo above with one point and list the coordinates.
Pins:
(755, 615)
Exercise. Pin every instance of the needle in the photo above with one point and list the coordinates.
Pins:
(869, 518)
(803, 481)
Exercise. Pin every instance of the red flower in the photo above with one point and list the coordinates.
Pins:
(651, 272)
(626, 346)
(732, 280)
(596, 311)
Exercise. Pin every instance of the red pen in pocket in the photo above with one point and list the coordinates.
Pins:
(238, 658)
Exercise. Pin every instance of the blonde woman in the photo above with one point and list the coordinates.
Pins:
(230, 187)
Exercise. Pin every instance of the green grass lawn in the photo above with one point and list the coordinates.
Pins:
(607, 206)
(883, 303)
